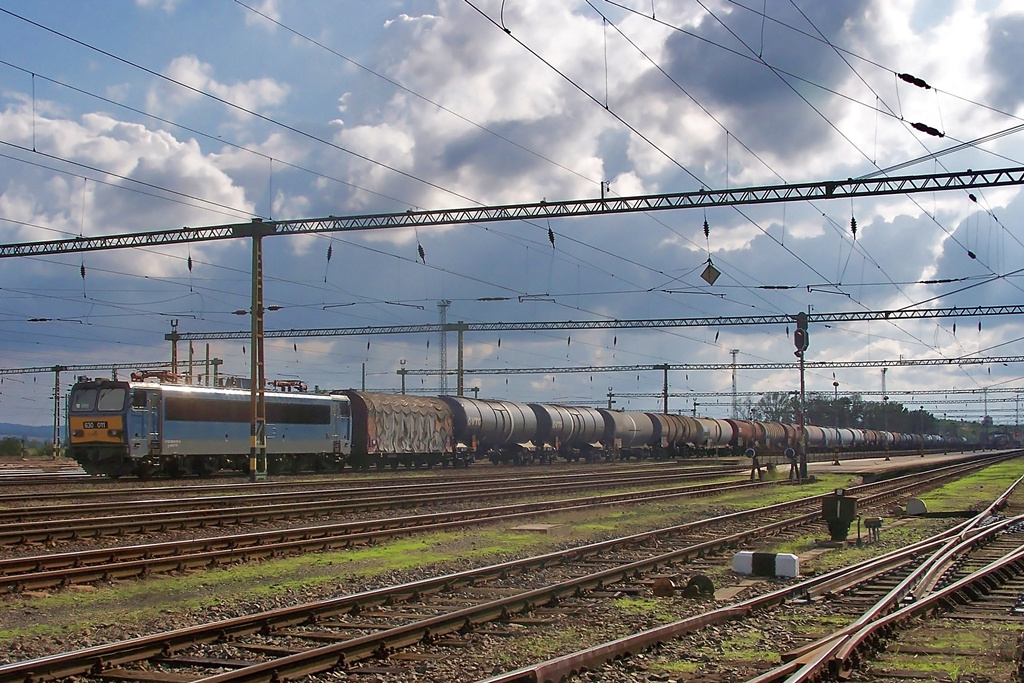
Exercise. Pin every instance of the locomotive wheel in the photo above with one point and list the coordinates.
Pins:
(144, 471)
(201, 467)
(173, 469)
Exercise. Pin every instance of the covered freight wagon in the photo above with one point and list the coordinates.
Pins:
(414, 431)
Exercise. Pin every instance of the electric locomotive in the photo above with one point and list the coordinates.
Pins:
(148, 429)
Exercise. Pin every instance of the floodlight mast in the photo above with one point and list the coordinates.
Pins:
(864, 187)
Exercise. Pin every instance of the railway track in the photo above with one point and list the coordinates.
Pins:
(432, 616)
(186, 515)
(372, 495)
(60, 569)
(968, 575)
(122, 489)
(135, 561)
(40, 472)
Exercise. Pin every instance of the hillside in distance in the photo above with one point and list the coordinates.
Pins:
(28, 432)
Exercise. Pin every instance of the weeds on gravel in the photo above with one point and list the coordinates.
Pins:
(975, 491)
(744, 500)
(647, 607)
(550, 643)
(743, 648)
(677, 667)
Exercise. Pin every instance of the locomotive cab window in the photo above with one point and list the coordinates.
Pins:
(111, 400)
(83, 400)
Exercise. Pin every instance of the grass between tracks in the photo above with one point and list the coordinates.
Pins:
(152, 604)
(976, 491)
(229, 590)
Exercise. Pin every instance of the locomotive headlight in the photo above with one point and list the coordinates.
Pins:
(114, 432)
(77, 432)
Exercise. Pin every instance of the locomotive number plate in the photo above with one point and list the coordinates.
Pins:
(94, 424)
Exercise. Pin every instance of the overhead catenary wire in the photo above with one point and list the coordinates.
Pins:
(640, 134)
(560, 235)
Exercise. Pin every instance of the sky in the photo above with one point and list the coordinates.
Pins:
(124, 117)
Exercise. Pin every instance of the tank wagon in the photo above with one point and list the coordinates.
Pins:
(148, 429)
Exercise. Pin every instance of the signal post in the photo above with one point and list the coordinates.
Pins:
(801, 340)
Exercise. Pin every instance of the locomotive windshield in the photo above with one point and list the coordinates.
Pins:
(103, 399)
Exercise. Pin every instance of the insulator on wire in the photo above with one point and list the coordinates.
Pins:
(189, 263)
(853, 226)
(423, 254)
(925, 128)
(330, 252)
(971, 196)
(551, 236)
(914, 80)
(83, 271)
(972, 254)
(707, 229)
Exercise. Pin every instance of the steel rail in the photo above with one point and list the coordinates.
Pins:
(340, 654)
(60, 569)
(808, 662)
(93, 658)
(79, 567)
(834, 650)
(561, 668)
(110, 489)
(177, 556)
(85, 528)
(374, 496)
(82, 661)
(958, 591)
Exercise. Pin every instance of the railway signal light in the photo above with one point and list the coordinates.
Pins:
(800, 336)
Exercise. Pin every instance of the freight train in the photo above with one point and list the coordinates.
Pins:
(148, 429)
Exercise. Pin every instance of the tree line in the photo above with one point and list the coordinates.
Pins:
(853, 411)
(15, 447)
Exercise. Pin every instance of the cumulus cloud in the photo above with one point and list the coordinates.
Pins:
(719, 96)
(271, 11)
(166, 5)
(252, 95)
(154, 159)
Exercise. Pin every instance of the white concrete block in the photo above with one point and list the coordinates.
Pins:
(743, 562)
(787, 565)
